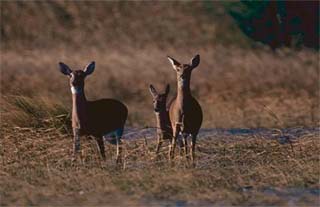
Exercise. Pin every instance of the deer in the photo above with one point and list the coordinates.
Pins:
(164, 130)
(95, 118)
(185, 112)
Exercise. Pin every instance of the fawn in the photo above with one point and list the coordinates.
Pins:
(164, 130)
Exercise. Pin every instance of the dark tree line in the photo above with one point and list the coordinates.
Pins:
(278, 23)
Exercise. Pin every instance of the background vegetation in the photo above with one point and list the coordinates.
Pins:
(239, 83)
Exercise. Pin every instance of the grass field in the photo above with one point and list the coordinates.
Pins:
(230, 170)
(238, 86)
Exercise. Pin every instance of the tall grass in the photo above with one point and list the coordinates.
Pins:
(34, 112)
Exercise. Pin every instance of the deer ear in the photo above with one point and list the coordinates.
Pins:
(195, 61)
(167, 89)
(175, 64)
(64, 69)
(89, 68)
(153, 91)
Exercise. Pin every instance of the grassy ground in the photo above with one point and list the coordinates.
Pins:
(37, 170)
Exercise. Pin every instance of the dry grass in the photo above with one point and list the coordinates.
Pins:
(37, 170)
(236, 87)
(105, 24)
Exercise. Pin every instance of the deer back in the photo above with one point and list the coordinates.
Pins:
(106, 115)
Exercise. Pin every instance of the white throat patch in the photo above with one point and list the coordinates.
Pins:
(75, 90)
(182, 82)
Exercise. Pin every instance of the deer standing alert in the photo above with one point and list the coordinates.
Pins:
(95, 118)
(185, 112)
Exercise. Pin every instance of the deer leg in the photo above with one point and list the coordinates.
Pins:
(173, 146)
(174, 140)
(119, 150)
(180, 141)
(119, 133)
(76, 142)
(170, 143)
(170, 146)
(193, 147)
(159, 143)
(101, 147)
(185, 143)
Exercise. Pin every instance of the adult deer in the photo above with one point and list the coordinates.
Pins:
(164, 130)
(185, 112)
(95, 118)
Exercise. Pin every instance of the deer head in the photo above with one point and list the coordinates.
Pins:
(184, 70)
(159, 99)
(77, 76)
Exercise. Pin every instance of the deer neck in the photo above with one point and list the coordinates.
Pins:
(162, 118)
(79, 108)
(183, 91)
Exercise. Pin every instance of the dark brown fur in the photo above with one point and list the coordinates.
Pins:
(96, 118)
